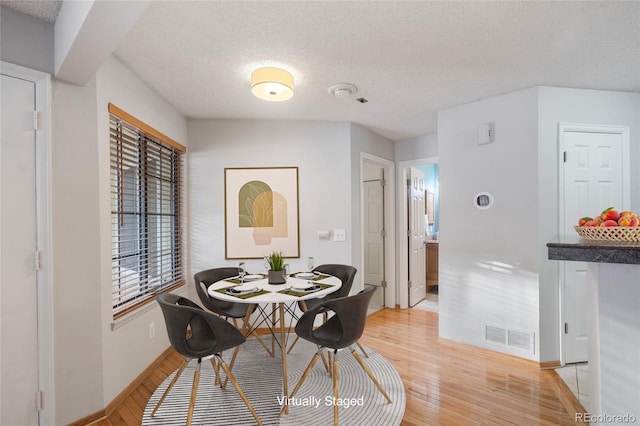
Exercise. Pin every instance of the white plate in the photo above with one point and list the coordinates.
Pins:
(306, 287)
(240, 289)
(253, 277)
(305, 275)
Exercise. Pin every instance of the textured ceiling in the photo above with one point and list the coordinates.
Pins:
(408, 59)
(45, 10)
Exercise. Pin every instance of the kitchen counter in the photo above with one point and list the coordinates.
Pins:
(613, 277)
(570, 247)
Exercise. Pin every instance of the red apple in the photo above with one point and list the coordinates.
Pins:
(628, 221)
(609, 222)
(584, 220)
(610, 213)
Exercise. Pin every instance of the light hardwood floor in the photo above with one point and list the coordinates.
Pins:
(446, 383)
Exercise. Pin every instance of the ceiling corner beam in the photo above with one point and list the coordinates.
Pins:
(87, 33)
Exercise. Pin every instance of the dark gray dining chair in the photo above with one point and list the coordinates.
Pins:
(346, 274)
(204, 279)
(341, 330)
(197, 334)
(233, 310)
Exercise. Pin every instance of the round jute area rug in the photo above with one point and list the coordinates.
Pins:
(260, 377)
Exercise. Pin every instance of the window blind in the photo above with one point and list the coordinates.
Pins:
(146, 212)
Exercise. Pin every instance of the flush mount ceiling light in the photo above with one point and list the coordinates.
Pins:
(272, 84)
(342, 90)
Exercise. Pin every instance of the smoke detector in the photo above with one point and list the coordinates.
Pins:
(342, 90)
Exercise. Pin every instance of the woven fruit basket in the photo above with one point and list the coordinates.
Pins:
(609, 233)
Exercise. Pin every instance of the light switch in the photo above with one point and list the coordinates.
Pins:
(339, 235)
(323, 235)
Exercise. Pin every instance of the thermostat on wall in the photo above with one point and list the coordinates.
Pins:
(483, 200)
(485, 133)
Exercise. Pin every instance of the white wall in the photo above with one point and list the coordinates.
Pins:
(26, 41)
(320, 150)
(562, 105)
(76, 258)
(425, 146)
(489, 258)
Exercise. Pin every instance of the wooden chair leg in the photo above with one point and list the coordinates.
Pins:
(293, 344)
(264, 345)
(230, 375)
(335, 388)
(303, 306)
(233, 361)
(243, 330)
(366, 355)
(194, 392)
(301, 381)
(173, 382)
(216, 369)
(370, 374)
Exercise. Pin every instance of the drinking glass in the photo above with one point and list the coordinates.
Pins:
(242, 271)
(310, 264)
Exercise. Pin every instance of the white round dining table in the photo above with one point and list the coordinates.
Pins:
(257, 291)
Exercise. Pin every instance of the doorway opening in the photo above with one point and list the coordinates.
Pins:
(426, 218)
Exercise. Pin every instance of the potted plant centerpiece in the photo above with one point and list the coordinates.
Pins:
(277, 268)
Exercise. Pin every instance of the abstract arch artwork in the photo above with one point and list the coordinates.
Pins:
(255, 205)
(261, 212)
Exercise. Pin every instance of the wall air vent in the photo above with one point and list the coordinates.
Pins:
(509, 338)
(495, 334)
(520, 340)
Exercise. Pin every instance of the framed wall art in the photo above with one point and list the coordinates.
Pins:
(261, 212)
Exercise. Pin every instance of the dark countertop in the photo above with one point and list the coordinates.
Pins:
(572, 247)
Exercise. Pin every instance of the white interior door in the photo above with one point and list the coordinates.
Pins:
(374, 239)
(18, 291)
(417, 259)
(374, 233)
(593, 180)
